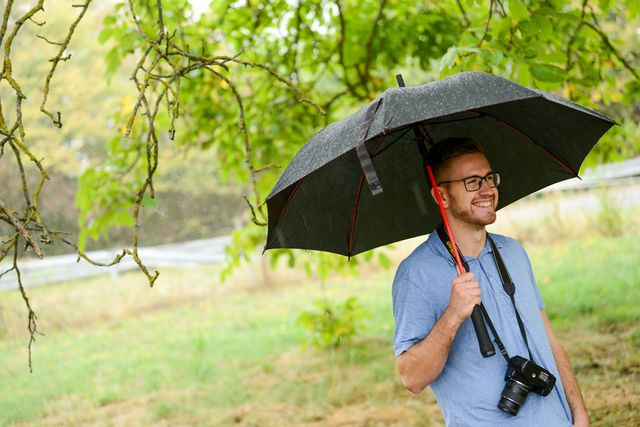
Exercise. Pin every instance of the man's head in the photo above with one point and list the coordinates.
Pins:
(445, 151)
(465, 181)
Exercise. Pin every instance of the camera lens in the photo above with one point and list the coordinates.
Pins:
(513, 397)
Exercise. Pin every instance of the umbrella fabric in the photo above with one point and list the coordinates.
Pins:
(322, 200)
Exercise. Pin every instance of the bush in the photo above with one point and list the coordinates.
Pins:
(332, 325)
(609, 221)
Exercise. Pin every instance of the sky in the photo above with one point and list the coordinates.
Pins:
(199, 7)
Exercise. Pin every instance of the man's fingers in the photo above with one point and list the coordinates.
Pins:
(466, 277)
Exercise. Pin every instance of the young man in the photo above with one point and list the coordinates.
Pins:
(434, 341)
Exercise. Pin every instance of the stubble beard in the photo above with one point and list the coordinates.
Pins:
(467, 215)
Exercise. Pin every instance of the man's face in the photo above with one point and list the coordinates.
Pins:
(472, 207)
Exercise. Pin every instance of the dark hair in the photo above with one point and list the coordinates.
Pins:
(448, 149)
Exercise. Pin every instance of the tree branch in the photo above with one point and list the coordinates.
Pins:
(486, 24)
(8, 213)
(56, 119)
(610, 46)
(369, 45)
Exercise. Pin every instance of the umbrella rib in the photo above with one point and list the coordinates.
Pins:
(357, 201)
(545, 149)
(355, 213)
(373, 156)
(284, 207)
(286, 204)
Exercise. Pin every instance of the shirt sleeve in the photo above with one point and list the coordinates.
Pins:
(413, 313)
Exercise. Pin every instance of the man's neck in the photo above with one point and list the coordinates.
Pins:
(470, 238)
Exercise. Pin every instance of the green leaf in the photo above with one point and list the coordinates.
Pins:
(604, 5)
(497, 58)
(109, 20)
(105, 34)
(449, 59)
(517, 10)
(384, 261)
(547, 73)
(149, 202)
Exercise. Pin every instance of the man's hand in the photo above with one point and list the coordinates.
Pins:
(465, 294)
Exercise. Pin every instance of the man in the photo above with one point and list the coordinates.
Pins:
(434, 341)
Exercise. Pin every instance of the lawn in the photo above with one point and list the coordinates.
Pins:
(193, 351)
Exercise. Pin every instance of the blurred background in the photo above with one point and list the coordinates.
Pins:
(228, 335)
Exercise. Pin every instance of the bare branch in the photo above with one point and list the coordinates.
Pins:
(5, 20)
(18, 226)
(39, 24)
(56, 119)
(32, 318)
(247, 144)
(574, 36)
(341, 40)
(48, 41)
(369, 45)
(254, 218)
(160, 19)
(464, 14)
(486, 24)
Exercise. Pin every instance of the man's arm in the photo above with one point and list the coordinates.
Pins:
(423, 362)
(571, 389)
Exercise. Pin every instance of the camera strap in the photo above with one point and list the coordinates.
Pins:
(510, 288)
(507, 284)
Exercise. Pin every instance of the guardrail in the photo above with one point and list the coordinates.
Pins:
(63, 268)
(607, 175)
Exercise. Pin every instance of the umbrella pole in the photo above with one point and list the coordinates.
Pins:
(447, 227)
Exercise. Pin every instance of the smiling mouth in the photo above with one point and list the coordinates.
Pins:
(485, 204)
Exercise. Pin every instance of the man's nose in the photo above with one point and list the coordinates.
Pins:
(484, 186)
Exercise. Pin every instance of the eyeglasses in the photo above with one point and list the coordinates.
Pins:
(473, 183)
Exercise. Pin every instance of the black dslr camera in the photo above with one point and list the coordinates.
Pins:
(522, 377)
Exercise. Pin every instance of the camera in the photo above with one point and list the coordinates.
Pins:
(523, 376)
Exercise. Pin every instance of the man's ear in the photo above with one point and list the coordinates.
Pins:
(443, 195)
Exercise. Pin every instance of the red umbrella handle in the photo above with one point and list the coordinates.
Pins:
(434, 185)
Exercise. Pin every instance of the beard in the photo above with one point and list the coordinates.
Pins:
(466, 212)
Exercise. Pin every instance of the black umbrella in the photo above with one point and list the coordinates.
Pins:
(532, 138)
(360, 182)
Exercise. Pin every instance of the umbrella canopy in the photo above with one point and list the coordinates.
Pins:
(322, 201)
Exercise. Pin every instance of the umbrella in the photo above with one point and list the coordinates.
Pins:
(360, 182)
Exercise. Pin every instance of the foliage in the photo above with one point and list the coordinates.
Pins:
(609, 221)
(333, 325)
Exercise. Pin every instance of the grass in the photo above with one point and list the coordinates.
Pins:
(193, 351)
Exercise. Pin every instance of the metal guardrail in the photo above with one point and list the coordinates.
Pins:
(64, 268)
(607, 175)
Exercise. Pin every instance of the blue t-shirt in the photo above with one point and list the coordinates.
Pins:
(468, 388)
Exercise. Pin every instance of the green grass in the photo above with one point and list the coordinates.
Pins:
(192, 351)
(593, 279)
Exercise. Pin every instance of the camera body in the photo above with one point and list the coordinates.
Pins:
(523, 376)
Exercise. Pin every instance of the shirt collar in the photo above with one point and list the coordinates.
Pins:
(438, 247)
